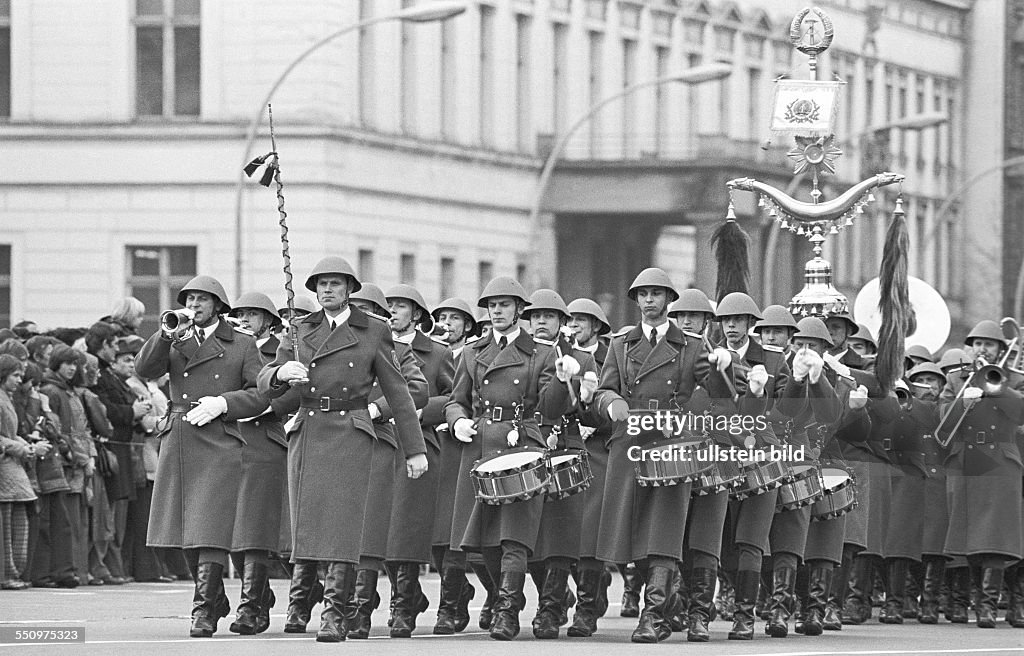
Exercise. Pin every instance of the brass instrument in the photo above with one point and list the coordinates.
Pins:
(178, 323)
(905, 398)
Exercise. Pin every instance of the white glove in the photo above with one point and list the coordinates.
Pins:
(618, 410)
(566, 367)
(588, 385)
(801, 364)
(858, 398)
(290, 424)
(419, 413)
(720, 357)
(757, 379)
(464, 430)
(292, 370)
(972, 394)
(374, 410)
(416, 466)
(816, 364)
(586, 431)
(836, 365)
(209, 408)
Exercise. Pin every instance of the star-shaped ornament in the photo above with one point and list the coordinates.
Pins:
(815, 154)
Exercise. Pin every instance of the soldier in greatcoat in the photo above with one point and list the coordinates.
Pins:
(342, 351)
(213, 370)
(502, 382)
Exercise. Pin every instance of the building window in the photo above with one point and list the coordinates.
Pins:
(408, 74)
(629, 122)
(167, 58)
(5, 59)
(407, 269)
(755, 108)
(367, 70)
(486, 75)
(366, 269)
(448, 98)
(447, 277)
(485, 271)
(523, 126)
(560, 77)
(661, 109)
(155, 276)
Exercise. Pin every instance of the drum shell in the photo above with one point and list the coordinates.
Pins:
(571, 477)
(835, 502)
(682, 469)
(515, 483)
(724, 475)
(804, 490)
(761, 477)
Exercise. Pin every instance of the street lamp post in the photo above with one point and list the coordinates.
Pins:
(424, 13)
(916, 122)
(694, 75)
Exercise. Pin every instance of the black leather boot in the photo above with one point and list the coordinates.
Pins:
(453, 584)
(589, 586)
(549, 606)
(632, 585)
(491, 587)
(568, 601)
(781, 602)
(988, 597)
(267, 601)
(1016, 584)
(960, 595)
(462, 608)
(748, 582)
(702, 600)
(911, 605)
(818, 584)
(761, 608)
(409, 600)
(302, 595)
(857, 603)
(363, 602)
(601, 600)
(511, 601)
(653, 626)
(341, 578)
(895, 593)
(934, 568)
(207, 607)
(254, 580)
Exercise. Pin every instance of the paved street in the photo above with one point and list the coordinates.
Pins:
(153, 619)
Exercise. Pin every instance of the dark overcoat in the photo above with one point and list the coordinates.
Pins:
(118, 399)
(448, 475)
(199, 471)
(597, 452)
(330, 452)
(521, 373)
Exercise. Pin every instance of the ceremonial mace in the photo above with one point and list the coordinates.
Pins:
(807, 110)
(273, 173)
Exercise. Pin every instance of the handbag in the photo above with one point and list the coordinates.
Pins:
(106, 461)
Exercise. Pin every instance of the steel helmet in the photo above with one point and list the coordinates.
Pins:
(461, 306)
(207, 284)
(503, 286)
(653, 277)
(986, 329)
(302, 303)
(587, 306)
(918, 351)
(260, 302)
(737, 303)
(775, 316)
(482, 318)
(954, 357)
(691, 300)
(863, 332)
(410, 293)
(371, 293)
(814, 328)
(547, 299)
(332, 264)
(851, 325)
(926, 368)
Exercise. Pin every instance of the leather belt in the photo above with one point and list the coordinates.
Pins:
(500, 413)
(327, 404)
(183, 407)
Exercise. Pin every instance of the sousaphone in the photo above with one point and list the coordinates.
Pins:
(931, 314)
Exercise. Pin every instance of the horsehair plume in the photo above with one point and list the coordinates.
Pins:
(731, 243)
(893, 300)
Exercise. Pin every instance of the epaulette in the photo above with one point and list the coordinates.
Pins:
(244, 331)
(773, 349)
(545, 342)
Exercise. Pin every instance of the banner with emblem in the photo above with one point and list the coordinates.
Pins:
(807, 108)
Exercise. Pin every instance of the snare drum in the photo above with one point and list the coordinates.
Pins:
(840, 494)
(570, 473)
(803, 490)
(510, 476)
(724, 475)
(685, 464)
(760, 477)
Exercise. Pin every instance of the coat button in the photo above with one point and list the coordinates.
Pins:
(489, 422)
(342, 413)
(216, 376)
(970, 446)
(344, 389)
(184, 375)
(310, 413)
(351, 364)
(184, 396)
(992, 427)
(668, 382)
(487, 403)
(515, 381)
(312, 364)
(487, 382)
(312, 389)
(221, 355)
(637, 382)
(991, 446)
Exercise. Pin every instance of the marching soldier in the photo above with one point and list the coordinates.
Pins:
(588, 323)
(412, 513)
(863, 342)
(455, 315)
(983, 464)
(652, 366)
(842, 327)
(264, 485)
(561, 525)
(342, 351)
(213, 371)
(502, 382)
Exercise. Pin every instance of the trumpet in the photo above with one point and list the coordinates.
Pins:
(177, 323)
(905, 398)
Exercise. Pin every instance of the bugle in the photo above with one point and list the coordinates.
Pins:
(177, 322)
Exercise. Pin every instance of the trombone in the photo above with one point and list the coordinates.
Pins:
(991, 378)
